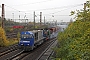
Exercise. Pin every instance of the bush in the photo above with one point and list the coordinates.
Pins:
(74, 42)
(3, 41)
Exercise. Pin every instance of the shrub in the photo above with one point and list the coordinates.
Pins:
(3, 41)
(74, 42)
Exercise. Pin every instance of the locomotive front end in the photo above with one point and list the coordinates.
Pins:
(26, 41)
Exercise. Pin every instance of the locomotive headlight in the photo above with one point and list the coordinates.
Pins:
(27, 44)
(24, 37)
(21, 44)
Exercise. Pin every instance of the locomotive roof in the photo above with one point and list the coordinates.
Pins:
(26, 32)
(30, 32)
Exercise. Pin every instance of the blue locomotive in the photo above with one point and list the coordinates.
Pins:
(30, 39)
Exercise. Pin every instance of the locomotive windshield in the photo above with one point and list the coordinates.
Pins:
(27, 36)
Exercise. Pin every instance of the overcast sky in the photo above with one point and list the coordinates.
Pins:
(60, 9)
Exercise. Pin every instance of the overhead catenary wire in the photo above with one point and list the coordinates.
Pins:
(57, 7)
(73, 6)
(17, 10)
(67, 8)
(14, 9)
(11, 7)
(34, 3)
(70, 6)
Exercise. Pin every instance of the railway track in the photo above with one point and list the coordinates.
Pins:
(15, 57)
(33, 55)
(8, 50)
(36, 54)
(39, 51)
(12, 53)
(19, 56)
(11, 35)
(47, 53)
(3, 49)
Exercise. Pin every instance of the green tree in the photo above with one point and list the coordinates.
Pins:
(74, 42)
(3, 41)
(83, 14)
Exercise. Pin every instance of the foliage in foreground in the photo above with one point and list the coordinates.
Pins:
(74, 42)
(4, 41)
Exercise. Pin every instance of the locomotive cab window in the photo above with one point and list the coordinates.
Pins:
(27, 36)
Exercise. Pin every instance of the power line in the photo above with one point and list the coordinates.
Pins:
(56, 15)
(70, 6)
(57, 7)
(12, 8)
(49, 8)
(33, 3)
(66, 8)
(15, 9)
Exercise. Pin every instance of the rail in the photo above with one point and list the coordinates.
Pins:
(47, 52)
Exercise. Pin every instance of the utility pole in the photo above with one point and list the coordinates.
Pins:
(84, 11)
(56, 23)
(34, 19)
(84, 6)
(40, 18)
(3, 15)
(25, 18)
(19, 16)
(44, 20)
(13, 17)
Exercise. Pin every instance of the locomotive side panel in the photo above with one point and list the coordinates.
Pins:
(40, 37)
